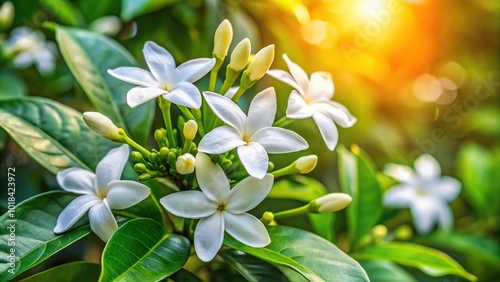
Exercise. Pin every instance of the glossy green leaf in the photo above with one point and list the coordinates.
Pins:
(135, 8)
(313, 257)
(252, 268)
(89, 55)
(430, 261)
(141, 251)
(35, 240)
(63, 10)
(53, 134)
(384, 271)
(183, 276)
(73, 271)
(358, 178)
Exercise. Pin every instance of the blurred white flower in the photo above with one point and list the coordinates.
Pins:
(101, 191)
(424, 191)
(108, 25)
(164, 78)
(220, 208)
(312, 98)
(31, 48)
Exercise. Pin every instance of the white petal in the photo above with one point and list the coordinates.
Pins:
(140, 95)
(426, 211)
(321, 86)
(254, 158)
(220, 140)
(160, 62)
(446, 188)
(261, 111)
(226, 110)
(327, 129)
(445, 217)
(76, 180)
(338, 113)
(401, 173)
(231, 92)
(278, 140)
(185, 94)
(247, 229)
(248, 193)
(211, 179)
(427, 166)
(208, 236)
(286, 78)
(299, 75)
(193, 70)
(102, 221)
(297, 107)
(111, 167)
(74, 211)
(134, 75)
(123, 194)
(23, 60)
(44, 60)
(189, 204)
(400, 196)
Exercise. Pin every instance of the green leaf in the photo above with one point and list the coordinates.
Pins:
(183, 276)
(308, 254)
(64, 11)
(35, 240)
(358, 178)
(53, 134)
(252, 268)
(74, 271)
(384, 271)
(89, 55)
(134, 8)
(141, 249)
(430, 261)
(11, 85)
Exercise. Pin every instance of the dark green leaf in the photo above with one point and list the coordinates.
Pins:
(141, 251)
(135, 8)
(310, 255)
(252, 268)
(183, 276)
(64, 11)
(73, 271)
(384, 271)
(35, 240)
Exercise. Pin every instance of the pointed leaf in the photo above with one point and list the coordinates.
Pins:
(384, 271)
(252, 268)
(134, 8)
(74, 271)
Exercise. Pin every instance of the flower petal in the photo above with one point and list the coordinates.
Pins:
(211, 179)
(111, 167)
(261, 111)
(220, 140)
(286, 78)
(193, 70)
(208, 236)
(276, 140)
(426, 211)
(297, 107)
(338, 113)
(185, 94)
(247, 229)
(74, 211)
(427, 166)
(140, 95)
(77, 180)
(321, 86)
(446, 188)
(248, 193)
(226, 110)
(400, 196)
(254, 158)
(327, 129)
(189, 204)
(134, 75)
(445, 217)
(299, 75)
(401, 173)
(160, 61)
(123, 194)
(102, 221)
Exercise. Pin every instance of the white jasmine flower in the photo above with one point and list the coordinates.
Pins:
(31, 48)
(253, 136)
(185, 164)
(174, 83)
(424, 191)
(220, 208)
(312, 98)
(101, 192)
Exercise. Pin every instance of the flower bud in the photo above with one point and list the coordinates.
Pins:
(164, 152)
(240, 55)
(330, 202)
(306, 164)
(260, 63)
(102, 125)
(137, 157)
(140, 167)
(222, 39)
(379, 232)
(160, 137)
(267, 217)
(190, 129)
(6, 15)
(185, 164)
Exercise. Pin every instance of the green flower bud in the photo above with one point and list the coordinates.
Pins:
(6, 15)
(140, 167)
(172, 157)
(160, 137)
(240, 55)
(260, 63)
(137, 157)
(403, 232)
(379, 232)
(102, 125)
(144, 177)
(164, 152)
(267, 217)
(185, 164)
(222, 39)
(306, 164)
(330, 203)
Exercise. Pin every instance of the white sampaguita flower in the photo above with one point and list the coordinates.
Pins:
(312, 98)
(220, 208)
(174, 83)
(101, 191)
(424, 191)
(253, 135)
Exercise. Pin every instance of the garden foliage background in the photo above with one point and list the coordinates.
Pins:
(420, 76)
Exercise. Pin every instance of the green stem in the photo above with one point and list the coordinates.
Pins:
(292, 212)
(282, 122)
(166, 218)
(167, 119)
(125, 214)
(284, 171)
(136, 146)
(238, 94)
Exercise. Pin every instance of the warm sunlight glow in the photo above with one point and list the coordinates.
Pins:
(367, 8)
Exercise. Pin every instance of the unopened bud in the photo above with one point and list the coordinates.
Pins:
(403, 232)
(164, 152)
(6, 15)
(267, 217)
(185, 164)
(190, 130)
(240, 55)
(260, 63)
(222, 39)
(144, 177)
(330, 202)
(306, 164)
(137, 157)
(379, 232)
(102, 125)
(140, 167)
(159, 137)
